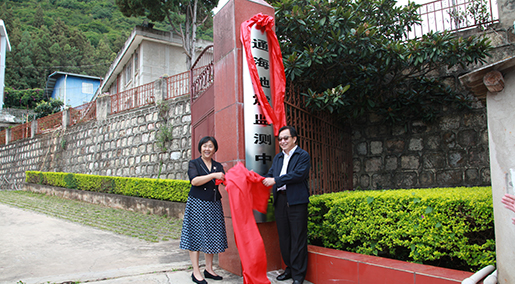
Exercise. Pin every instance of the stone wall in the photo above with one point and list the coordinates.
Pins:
(122, 144)
(20, 114)
(453, 151)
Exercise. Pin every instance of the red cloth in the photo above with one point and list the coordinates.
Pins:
(278, 79)
(246, 192)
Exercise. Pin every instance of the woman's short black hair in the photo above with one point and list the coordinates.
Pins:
(205, 140)
(293, 132)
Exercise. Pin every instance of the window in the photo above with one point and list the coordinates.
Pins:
(87, 88)
(128, 73)
(136, 62)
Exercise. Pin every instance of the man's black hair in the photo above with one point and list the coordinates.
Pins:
(293, 132)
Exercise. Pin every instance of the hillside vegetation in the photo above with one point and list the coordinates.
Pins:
(64, 35)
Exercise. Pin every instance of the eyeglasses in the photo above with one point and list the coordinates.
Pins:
(285, 138)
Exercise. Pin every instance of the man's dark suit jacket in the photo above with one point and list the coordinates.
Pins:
(296, 177)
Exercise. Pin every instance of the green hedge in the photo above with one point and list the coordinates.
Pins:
(162, 189)
(446, 227)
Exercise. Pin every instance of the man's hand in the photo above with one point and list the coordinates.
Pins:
(269, 182)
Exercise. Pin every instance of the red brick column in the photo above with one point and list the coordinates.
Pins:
(228, 116)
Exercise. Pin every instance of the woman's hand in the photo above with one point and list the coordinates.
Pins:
(201, 180)
(219, 175)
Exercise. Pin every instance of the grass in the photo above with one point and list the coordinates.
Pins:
(148, 227)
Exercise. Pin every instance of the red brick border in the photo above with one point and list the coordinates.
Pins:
(334, 266)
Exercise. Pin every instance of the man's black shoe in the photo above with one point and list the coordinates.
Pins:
(297, 282)
(284, 276)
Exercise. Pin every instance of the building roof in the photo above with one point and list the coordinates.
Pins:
(473, 81)
(138, 34)
(52, 79)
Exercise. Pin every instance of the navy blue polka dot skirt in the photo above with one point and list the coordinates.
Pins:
(203, 227)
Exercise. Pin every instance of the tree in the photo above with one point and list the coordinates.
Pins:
(39, 18)
(353, 57)
(184, 17)
(79, 24)
(27, 74)
(103, 53)
(45, 108)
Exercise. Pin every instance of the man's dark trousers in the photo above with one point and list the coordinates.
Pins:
(292, 229)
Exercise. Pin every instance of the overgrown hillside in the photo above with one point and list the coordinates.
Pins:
(64, 35)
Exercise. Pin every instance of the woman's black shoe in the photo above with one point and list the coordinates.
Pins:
(203, 281)
(214, 277)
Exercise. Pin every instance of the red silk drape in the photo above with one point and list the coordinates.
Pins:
(247, 192)
(277, 115)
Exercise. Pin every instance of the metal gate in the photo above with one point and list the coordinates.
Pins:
(328, 143)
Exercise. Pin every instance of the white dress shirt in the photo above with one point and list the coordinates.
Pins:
(286, 161)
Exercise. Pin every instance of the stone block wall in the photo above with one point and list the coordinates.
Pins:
(452, 151)
(122, 144)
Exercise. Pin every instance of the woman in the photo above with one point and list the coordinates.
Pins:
(203, 227)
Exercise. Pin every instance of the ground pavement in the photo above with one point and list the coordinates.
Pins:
(36, 248)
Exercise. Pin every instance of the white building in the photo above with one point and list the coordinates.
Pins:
(6, 119)
(147, 55)
(4, 47)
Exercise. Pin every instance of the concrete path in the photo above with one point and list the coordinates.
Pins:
(36, 248)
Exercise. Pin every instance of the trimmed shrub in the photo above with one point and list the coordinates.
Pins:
(161, 189)
(70, 181)
(36, 178)
(445, 227)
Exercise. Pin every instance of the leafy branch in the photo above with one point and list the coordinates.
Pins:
(165, 132)
(360, 45)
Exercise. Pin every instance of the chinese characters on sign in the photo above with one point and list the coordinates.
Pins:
(259, 134)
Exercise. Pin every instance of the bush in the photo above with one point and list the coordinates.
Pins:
(161, 189)
(70, 181)
(446, 227)
(49, 107)
(22, 98)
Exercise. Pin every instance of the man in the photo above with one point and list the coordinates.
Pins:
(289, 178)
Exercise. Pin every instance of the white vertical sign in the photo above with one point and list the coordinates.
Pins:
(259, 134)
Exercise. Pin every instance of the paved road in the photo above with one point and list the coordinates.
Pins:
(36, 248)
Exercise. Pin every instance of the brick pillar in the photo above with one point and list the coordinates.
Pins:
(228, 116)
(506, 13)
(33, 128)
(7, 136)
(103, 106)
(66, 117)
(160, 90)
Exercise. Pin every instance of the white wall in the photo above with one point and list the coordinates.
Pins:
(155, 61)
(4, 47)
(159, 59)
(501, 132)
